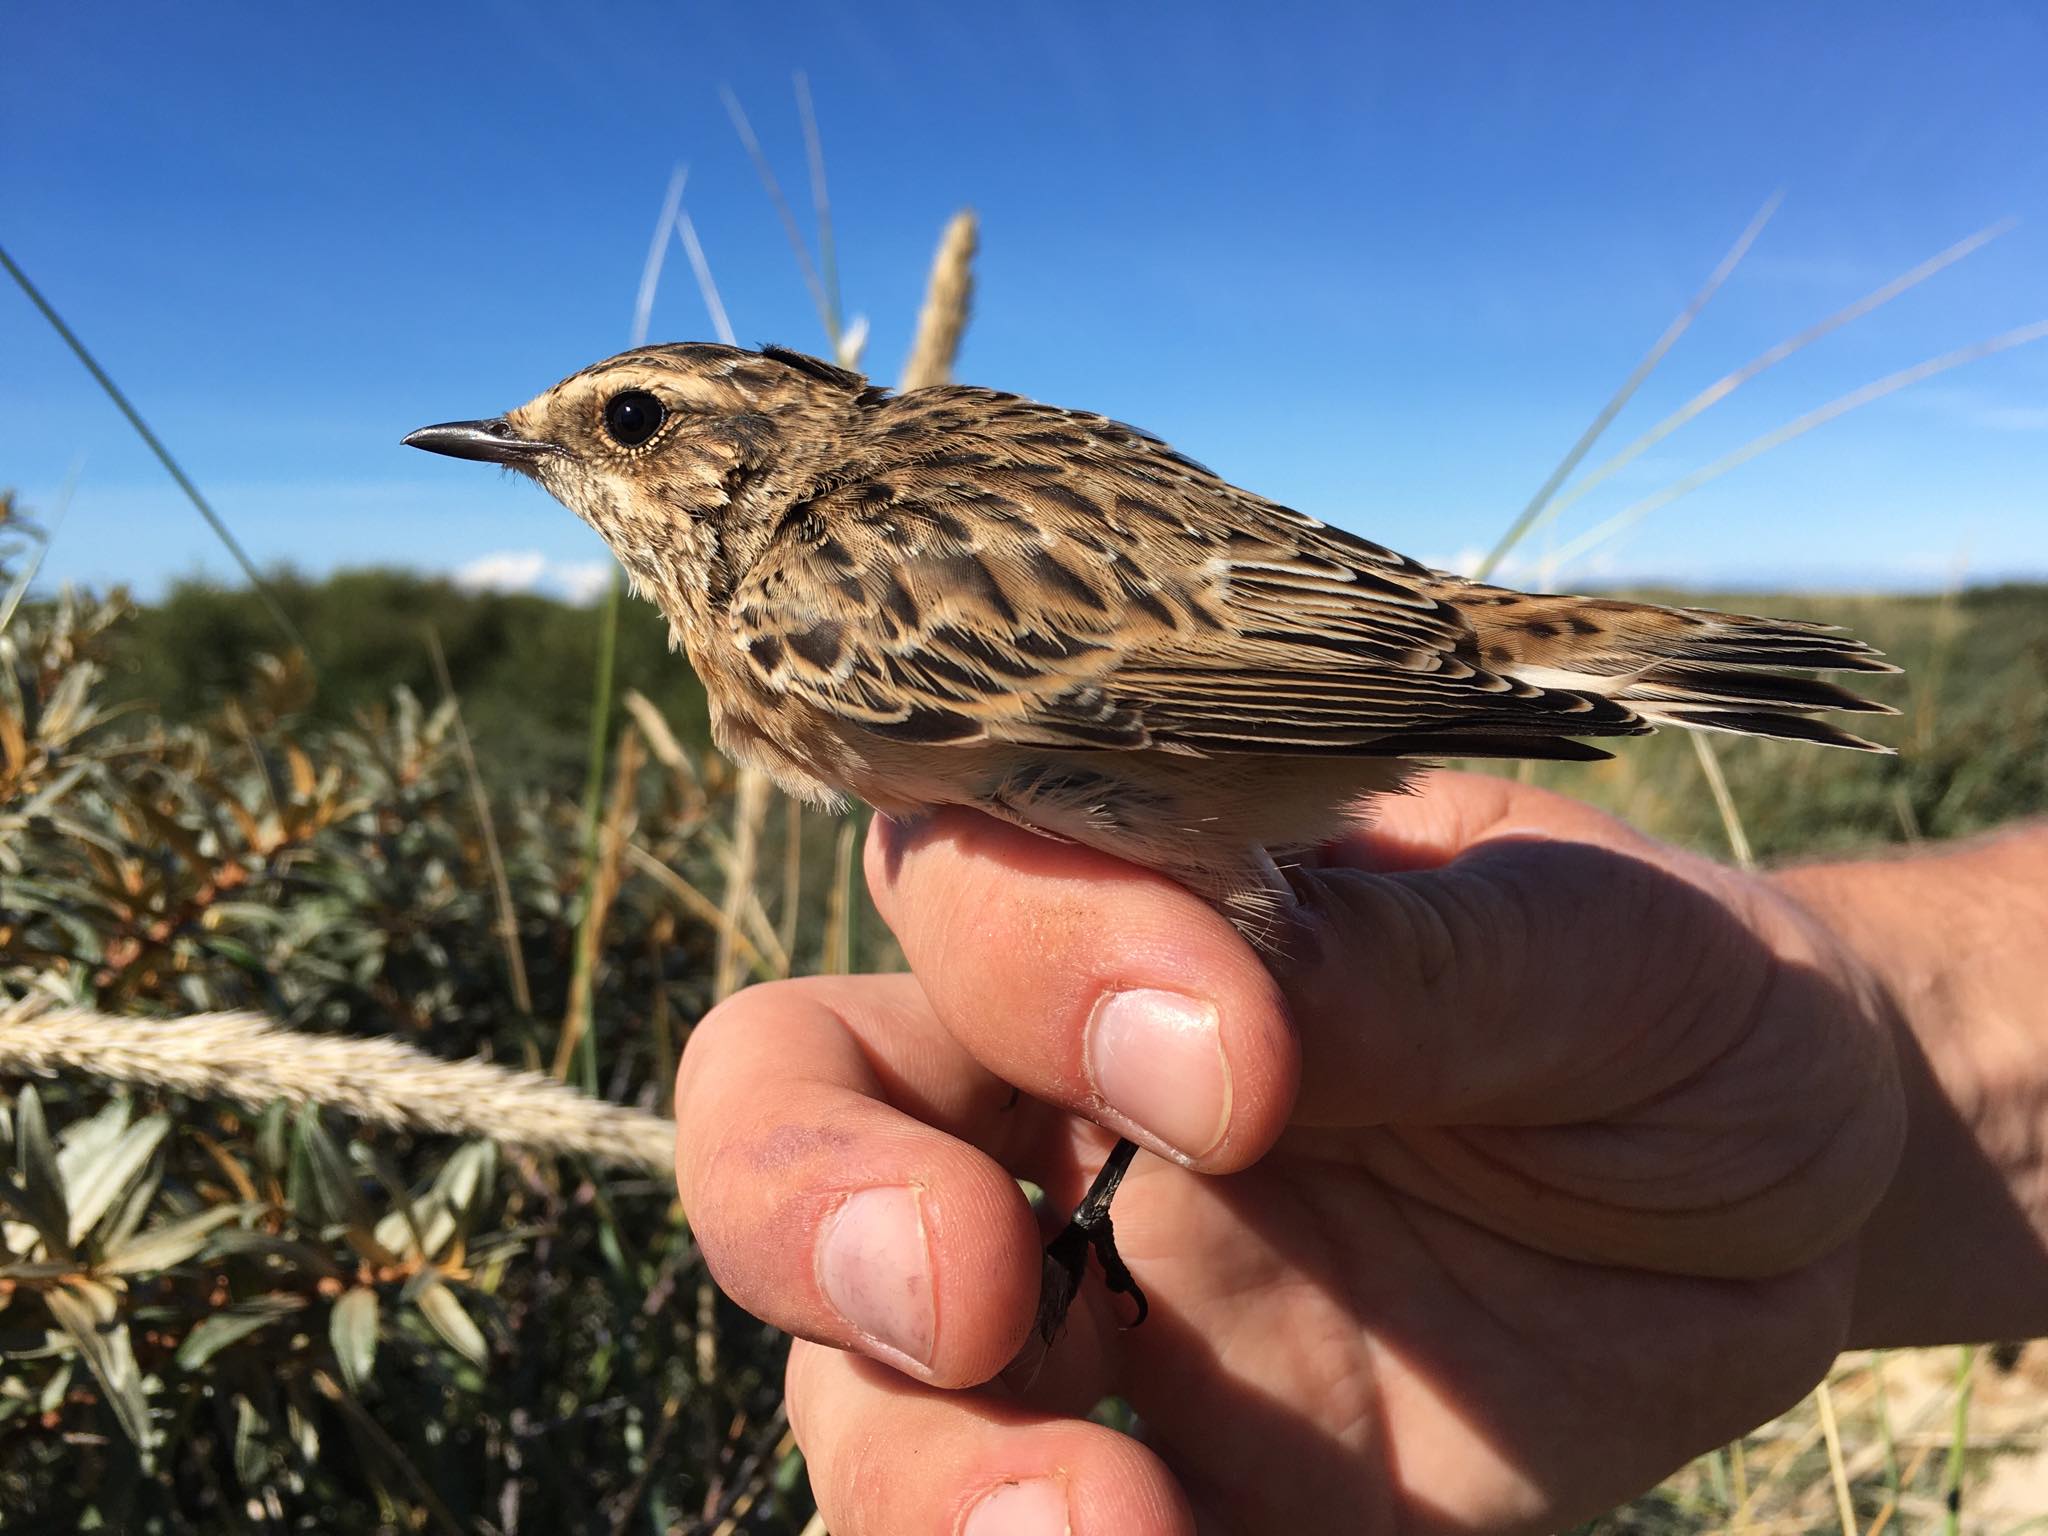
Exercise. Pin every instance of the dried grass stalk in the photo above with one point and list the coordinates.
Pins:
(613, 838)
(706, 911)
(792, 876)
(742, 902)
(243, 1058)
(501, 886)
(947, 298)
(838, 958)
(661, 741)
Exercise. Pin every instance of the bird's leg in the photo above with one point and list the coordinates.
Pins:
(1258, 903)
(1066, 1256)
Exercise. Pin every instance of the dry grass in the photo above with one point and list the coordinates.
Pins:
(242, 1058)
(1903, 1442)
(948, 298)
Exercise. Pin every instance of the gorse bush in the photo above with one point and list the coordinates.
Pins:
(220, 1315)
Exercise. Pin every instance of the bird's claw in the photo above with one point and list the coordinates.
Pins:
(1066, 1256)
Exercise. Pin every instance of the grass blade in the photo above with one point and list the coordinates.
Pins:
(650, 274)
(501, 886)
(840, 908)
(792, 877)
(373, 1435)
(1724, 802)
(579, 1036)
(705, 910)
(1528, 515)
(821, 205)
(163, 455)
(1959, 1442)
(1838, 1472)
(577, 1023)
(1891, 383)
(577, 1026)
(694, 249)
(750, 810)
(42, 541)
(1722, 388)
(812, 281)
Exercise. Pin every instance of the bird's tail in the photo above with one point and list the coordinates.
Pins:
(1692, 667)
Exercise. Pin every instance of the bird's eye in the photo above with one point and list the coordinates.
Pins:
(631, 418)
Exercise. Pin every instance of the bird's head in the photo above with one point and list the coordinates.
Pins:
(683, 457)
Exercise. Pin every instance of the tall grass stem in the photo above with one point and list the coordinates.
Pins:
(721, 327)
(1838, 1472)
(1725, 386)
(1891, 383)
(826, 314)
(163, 455)
(501, 886)
(821, 206)
(948, 299)
(1678, 327)
(577, 1024)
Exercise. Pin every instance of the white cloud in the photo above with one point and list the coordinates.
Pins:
(582, 580)
(1515, 568)
(529, 570)
(503, 570)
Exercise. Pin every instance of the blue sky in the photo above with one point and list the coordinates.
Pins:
(1381, 264)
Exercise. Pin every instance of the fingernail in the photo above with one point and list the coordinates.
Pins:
(875, 1267)
(1036, 1508)
(1156, 1058)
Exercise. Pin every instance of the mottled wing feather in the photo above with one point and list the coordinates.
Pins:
(1058, 579)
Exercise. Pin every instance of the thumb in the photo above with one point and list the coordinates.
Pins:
(1495, 954)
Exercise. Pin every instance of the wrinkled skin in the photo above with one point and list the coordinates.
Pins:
(1544, 1158)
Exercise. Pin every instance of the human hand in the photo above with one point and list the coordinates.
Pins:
(1561, 1138)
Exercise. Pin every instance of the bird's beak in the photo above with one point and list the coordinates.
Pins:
(492, 442)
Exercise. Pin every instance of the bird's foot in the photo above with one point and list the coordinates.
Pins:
(1066, 1256)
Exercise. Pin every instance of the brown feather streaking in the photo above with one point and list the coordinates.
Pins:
(960, 597)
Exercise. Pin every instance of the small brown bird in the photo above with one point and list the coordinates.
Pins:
(961, 597)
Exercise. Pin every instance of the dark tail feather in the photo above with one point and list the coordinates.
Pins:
(1761, 723)
(1736, 640)
(1736, 686)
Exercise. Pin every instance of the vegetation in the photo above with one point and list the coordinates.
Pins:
(1972, 735)
(521, 663)
(260, 1294)
(1972, 729)
(221, 1314)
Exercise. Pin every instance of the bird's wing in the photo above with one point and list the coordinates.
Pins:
(1027, 575)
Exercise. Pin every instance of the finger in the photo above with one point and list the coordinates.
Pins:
(835, 1215)
(1456, 811)
(888, 1457)
(1488, 951)
(1091, 984)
